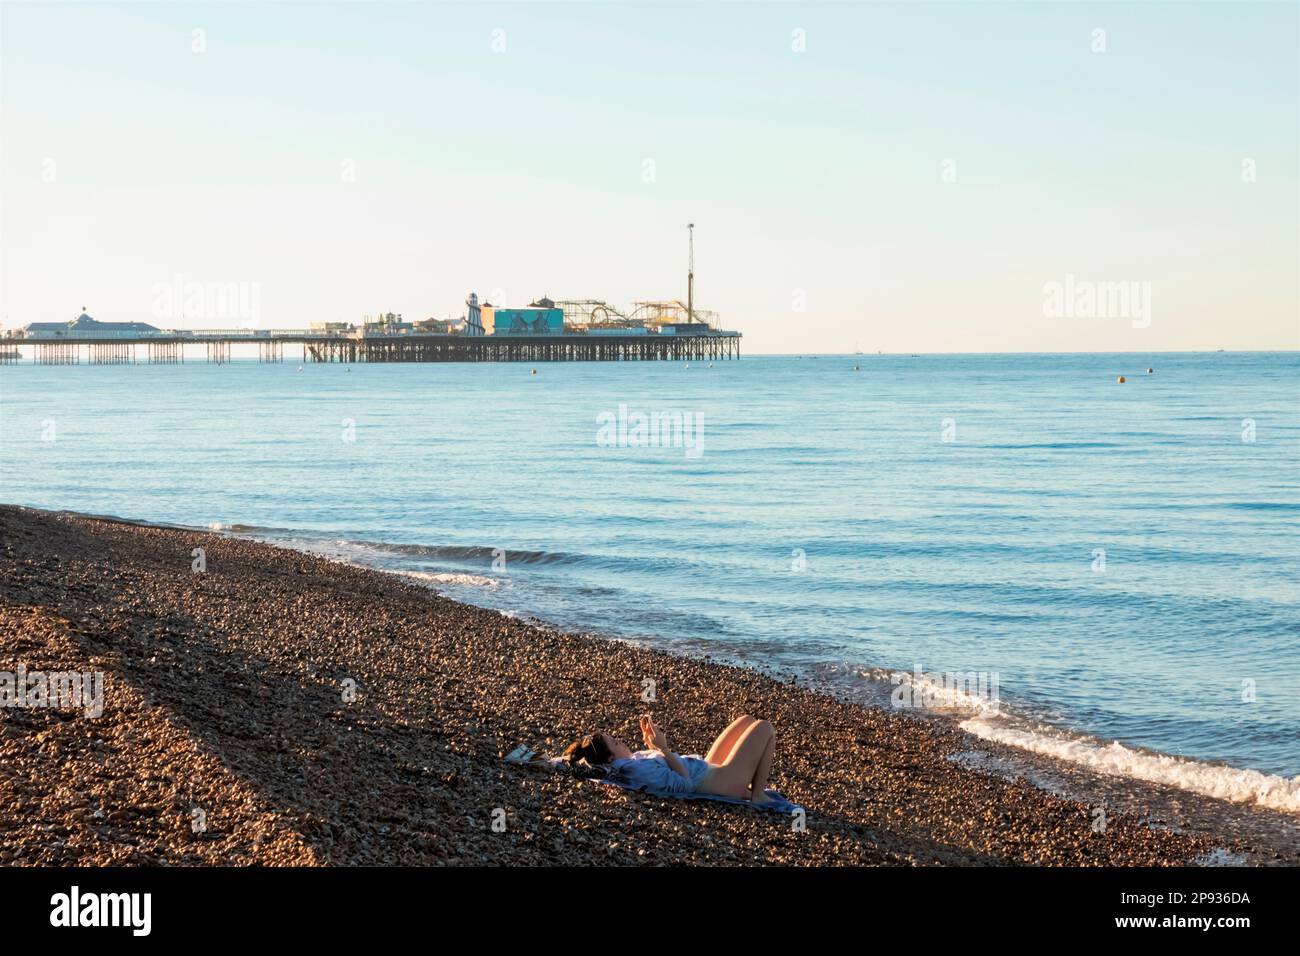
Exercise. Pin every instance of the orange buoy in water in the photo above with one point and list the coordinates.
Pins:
(1120, 380)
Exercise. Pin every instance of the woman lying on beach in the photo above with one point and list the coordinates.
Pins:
(736, 765)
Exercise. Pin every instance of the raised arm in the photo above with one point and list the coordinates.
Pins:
(654, 737)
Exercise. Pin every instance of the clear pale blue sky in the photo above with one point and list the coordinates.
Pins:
(520, 173)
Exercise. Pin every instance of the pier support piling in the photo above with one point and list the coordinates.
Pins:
(166, 353)
(571, 347)
(57, 353)
(112, 353)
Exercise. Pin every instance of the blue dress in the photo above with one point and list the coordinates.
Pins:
(649, 770)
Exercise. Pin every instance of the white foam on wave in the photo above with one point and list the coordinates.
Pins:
(452, 577)
(955, 691)
(1225, 783)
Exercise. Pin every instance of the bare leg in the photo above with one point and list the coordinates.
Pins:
(758, 785)
(721, 750)
(741, 770)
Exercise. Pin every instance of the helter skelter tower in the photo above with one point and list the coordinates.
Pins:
(690, 274)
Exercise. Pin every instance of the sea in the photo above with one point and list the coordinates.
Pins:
(1103, 573)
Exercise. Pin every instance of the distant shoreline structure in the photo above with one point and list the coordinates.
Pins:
(537, 333)
(545, 330)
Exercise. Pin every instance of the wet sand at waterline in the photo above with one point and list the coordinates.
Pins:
(226, 738)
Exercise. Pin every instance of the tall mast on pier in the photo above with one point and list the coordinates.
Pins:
(690, 276)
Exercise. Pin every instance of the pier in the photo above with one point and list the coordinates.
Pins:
(216, 347)
(580, 330)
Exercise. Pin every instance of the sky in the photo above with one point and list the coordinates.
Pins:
(901, 177)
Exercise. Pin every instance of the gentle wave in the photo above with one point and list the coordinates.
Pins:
(464, 552)
(1053, 445)
(1262, 506)
(1224, 783)
(237, 528)
(989, 718)
(450, 577)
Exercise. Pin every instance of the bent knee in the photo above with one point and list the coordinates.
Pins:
(765, 727)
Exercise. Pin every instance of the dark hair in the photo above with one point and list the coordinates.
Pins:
(593, 750)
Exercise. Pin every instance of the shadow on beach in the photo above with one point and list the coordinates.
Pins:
(230, 693)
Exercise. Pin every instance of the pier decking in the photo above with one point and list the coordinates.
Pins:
(216, 347)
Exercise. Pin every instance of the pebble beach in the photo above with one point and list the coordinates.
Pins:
(263, 706)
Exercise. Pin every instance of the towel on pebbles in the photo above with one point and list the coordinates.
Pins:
(776, 801)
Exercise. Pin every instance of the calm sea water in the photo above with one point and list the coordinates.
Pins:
(942, 512)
